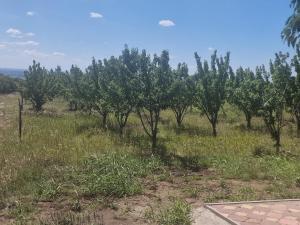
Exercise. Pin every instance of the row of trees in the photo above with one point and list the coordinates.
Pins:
(137, 82)
(8, 84)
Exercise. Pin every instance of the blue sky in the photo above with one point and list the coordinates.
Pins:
(65, 32)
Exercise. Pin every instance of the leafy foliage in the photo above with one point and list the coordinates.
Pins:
(121, 89)
(40, 86)
(182, 92)
(277, 94)
(291, 30)
(211, 87)
(154, 82)
(7, 84)
(245, 90)
(294, 103)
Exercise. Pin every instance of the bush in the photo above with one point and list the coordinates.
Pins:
(7, 85)
(116, 174)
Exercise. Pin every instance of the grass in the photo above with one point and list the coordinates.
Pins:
(177, 212)
(67, 155)
(115, 174)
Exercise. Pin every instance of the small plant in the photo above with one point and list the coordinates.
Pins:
(178, 213)
(76, 206)
(19, 210)
(47, 190)
(193, 192)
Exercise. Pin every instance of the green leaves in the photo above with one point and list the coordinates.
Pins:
(182, 92)
(211, 86)
(40, 86)
(290, 33)
(245, 90)
(276, 96)
(154, 80)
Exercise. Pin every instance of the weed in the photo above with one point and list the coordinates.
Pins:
(47, 190)
(116, 174)
(177, 213)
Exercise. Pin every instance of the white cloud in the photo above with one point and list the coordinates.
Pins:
(211, 49)
(95, 15)
(35, 53)
(30, 34)
(16, 33)
(26, 43)
(2, 46)
(30, 13)
(58, 54)
(19, 43)
(166, 23)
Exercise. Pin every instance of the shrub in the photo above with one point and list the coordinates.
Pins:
(7, 84)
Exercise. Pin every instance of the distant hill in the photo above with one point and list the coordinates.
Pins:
(17, 73)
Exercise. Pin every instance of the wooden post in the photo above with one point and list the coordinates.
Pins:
(20, 118)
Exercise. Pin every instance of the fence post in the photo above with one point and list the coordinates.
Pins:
(20, 117)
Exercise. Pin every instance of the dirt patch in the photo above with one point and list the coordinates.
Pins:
(194, 188)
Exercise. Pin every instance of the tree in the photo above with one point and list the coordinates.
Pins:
(98, 80)
(294, 104)
(211, 87)
(273, 113)
(121, 89)
(246, 92)
(75, 88)
(291, 30)
(154, 81)
(181, 92)
(40, 87)
(7, 84)
(276, 96)
(59, 76)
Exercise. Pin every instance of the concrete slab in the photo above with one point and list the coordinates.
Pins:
(203, 216)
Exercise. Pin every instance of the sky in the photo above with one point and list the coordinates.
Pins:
(66, 32)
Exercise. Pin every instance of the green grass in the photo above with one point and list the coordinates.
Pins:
(178, 212)
(116, 174)
(63, 153)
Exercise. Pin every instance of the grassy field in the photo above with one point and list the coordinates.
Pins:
(67, 164)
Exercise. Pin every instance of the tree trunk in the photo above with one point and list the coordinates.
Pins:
(214, 127)
(248, 118)
(179, 121)
(121, 128)
(154, 142)
(104, 120)
(277, 144)
(298, 126)
(154, 132)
